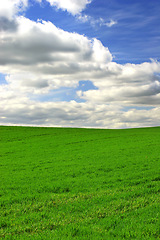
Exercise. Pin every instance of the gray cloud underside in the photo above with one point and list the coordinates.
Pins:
(8, 25)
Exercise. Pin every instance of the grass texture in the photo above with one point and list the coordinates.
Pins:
(61, 183)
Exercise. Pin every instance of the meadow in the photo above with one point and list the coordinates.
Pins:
(67, 183)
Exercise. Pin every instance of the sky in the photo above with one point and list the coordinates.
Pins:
(88, 63)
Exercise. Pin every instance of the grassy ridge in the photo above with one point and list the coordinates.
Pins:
(60, 183)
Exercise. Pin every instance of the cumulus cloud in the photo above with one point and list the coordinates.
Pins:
(126, 84)
(72, 6)
(40, 57)
(9, 8)
(7, 25)
(22, 111)
(39, 51)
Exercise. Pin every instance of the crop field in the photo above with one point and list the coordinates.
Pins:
(61, 183)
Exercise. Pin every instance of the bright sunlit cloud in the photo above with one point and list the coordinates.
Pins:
(72, 6)
(9, 8)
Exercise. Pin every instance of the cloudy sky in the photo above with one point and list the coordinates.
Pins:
(72, 63)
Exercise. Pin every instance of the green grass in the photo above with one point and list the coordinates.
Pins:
(61, 183)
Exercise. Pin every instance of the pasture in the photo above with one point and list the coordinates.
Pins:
(67, 183)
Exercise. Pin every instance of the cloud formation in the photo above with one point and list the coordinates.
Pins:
(22, 111)
(108, 24)
(9, 8)
(94, 22)
(41, 52)
(7, 25)
(130, 84)
(37, 58)
(72, 6)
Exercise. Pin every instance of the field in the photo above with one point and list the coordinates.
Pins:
(61, 183)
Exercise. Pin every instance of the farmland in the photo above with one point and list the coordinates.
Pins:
(68, 183)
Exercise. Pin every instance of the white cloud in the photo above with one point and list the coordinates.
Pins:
(22, 111)
(83, 18)
(72, 6)
(39, 52)
(38, 57)
(126, 84)
(108, 24)
(95, 22)
(9, 8)
(101, 53)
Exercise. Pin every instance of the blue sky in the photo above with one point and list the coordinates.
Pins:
(134, 38)
(88, 63)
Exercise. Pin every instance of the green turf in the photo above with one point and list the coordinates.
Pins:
(61, 183)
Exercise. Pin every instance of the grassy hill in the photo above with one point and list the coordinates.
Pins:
(61, 183)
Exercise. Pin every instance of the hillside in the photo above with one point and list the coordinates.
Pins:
(63, 183)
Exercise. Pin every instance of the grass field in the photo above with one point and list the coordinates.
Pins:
(61, 183)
